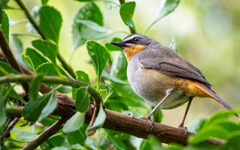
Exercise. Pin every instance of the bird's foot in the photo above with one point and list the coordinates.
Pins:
(151, 123)
(183, 128)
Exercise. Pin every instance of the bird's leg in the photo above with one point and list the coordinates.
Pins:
(185, 114)
(148, 117)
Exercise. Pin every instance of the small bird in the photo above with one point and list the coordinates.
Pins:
(161, 76)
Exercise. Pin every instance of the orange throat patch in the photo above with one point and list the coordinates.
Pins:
(131, 51)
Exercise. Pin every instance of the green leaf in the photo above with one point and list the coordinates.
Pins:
(116, 104)
(34, 87)
(3, 117)
(33, 58)
(99, 56)
(101, 117)
(172, 45)
(112, 47)
(83, 77)
(222, 115)
(47, 48)
(33, 109)
(126, 13)
(28, 62)
(174, 146)
(77, 137)
(44, 2)
(103, 92)
(196, 125)
(169, 6)
(51, 70)
(157, 115)
(50, 107)
(124, 91)
(82, 99)
(3, 2)
(119, 67)
(233, 142)
(74, 123)
(118, 139)
(50, 22)
(108, 77)
(152, 143)
(56, 140)
(17, 47)
(228, 125)
(90, 12)
(211, 132)
(5, 69)
(4, 24)
(88, 30)
(13, 94)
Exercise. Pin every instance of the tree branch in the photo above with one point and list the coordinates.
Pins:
(10, 57)
(8, 129)
(36, 27)
(66, 66)
(54, 128)
(131, 125)
(30, 18)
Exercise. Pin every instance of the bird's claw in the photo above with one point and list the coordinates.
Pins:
(183, 128)
(151, 123)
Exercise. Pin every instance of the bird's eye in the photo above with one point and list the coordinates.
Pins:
(135, 39)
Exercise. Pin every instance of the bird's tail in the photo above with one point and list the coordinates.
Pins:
(213, 95)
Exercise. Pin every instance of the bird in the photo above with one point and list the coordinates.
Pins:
(162, 77)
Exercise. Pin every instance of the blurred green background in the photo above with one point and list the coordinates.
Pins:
(207, 34)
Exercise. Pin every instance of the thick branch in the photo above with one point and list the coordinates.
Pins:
(133, 126)
(10, 57)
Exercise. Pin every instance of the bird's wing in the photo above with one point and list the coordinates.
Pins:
(174, 67)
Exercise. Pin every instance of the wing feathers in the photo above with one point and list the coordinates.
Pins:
(176, 67)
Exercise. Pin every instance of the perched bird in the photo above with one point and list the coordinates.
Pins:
(161, 76)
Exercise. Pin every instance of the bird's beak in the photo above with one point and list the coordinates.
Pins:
(120, 44)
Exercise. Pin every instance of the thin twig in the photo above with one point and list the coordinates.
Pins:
(9, 120)
(54, 128)
(30, 18)
(10, 57)
(37, 28)
(53, 79)
(93, 118)
(66, 66)
(8, 129)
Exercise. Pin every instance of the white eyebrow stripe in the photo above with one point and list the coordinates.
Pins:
(130, 37)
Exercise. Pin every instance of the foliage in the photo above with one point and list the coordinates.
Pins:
(43, 57)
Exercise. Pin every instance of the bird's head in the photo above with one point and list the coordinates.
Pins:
(133, 44)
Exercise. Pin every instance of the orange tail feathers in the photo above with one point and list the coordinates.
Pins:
(213, 95)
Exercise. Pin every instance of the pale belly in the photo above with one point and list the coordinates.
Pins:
(152, 87)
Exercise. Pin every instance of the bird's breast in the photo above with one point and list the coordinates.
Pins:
(152, 86)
